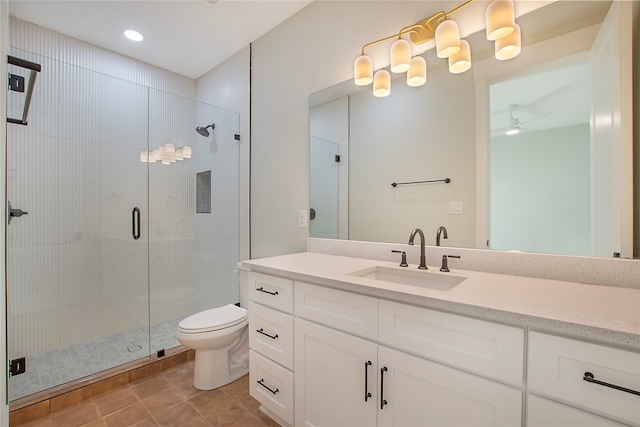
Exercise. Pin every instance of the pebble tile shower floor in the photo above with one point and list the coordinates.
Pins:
(63, 365)
(164, 399)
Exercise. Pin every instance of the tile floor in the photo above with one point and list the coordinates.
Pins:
(165, 399)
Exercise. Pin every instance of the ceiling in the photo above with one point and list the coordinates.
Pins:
(188, 37)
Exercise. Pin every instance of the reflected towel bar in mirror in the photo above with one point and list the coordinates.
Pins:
(395, 184)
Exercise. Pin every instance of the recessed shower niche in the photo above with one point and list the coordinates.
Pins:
(203, 192)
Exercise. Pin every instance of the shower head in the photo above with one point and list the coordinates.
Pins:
(203, 130)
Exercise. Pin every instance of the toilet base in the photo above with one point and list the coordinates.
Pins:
(215, 368)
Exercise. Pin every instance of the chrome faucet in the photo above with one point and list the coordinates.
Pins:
(443, 231)
(423, 258)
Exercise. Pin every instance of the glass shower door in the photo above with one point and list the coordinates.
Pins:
(77, 267)
(194, 220)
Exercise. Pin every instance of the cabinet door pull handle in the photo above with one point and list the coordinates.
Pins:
(367, 395)
(261, 289)
(382, 401)
(589, 377)
(261, 331)
(261, 382)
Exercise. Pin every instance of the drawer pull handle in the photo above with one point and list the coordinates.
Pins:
(367, 395)
(261, 289)
(382, 401)
(589, 377)
(261, 382)
(261, 331)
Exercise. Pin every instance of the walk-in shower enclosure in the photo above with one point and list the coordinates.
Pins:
(112, 252)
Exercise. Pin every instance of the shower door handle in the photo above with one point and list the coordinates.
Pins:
(135, 223)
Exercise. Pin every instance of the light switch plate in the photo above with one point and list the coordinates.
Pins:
(302, 218)
(456, 208)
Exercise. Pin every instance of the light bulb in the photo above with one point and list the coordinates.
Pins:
(382, 84)
(363, 70)
(447, 38)
(510, 46)
(417, 74)
(461, 61)
(400, 56)
(500, 19)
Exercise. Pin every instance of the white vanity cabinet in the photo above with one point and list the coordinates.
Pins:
(418, 392)
(346, 375)
(271, 380)
(335, 357)
(335, 377)
(559, 395)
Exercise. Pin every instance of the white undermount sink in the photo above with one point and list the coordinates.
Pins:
(411, 276)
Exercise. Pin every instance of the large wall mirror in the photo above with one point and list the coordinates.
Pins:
(554, 187)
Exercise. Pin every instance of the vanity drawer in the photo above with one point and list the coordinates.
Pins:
(489, 349)
(271, 291)
(349, 312)
(272, 386)
(557, 366)
(542, 412)
(271, 334)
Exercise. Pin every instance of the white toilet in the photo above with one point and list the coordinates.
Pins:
(220, 337)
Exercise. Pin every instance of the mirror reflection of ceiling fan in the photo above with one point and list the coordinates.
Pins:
(514, 125)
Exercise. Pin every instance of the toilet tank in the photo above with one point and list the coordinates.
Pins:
(243, 282)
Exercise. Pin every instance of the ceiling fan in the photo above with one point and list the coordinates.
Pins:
(514, 125)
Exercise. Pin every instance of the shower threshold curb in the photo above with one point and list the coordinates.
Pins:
(31, 407)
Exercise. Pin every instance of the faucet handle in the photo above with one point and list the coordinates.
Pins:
(445, 264)
(403, 262)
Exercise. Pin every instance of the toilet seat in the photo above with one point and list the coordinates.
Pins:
(213, 319)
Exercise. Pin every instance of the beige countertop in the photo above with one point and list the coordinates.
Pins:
(603, 313)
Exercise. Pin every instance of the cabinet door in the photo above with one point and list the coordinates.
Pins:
(547, 413)
(419, 392)
(332, 371)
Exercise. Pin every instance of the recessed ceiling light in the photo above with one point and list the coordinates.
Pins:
(133, 35)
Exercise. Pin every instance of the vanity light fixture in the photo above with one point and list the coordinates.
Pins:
(500, 22)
